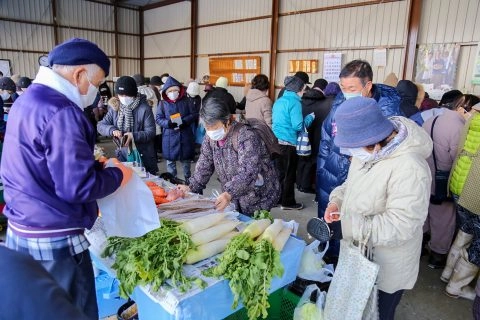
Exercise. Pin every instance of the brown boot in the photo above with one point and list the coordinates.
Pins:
(461, 241)
(463, 273)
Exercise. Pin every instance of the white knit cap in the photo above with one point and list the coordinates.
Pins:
(193, 89)
(222, 82)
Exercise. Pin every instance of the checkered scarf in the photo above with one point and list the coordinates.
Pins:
(125, 115)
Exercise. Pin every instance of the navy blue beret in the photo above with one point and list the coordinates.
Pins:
(75, 52)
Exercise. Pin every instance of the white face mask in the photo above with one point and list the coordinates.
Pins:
(217, 134)
(362, 154)
(5, 95)
(126, 100)
(173, 95)
(164, 79)
(89, 98)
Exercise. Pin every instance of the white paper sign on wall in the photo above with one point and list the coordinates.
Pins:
(5, 67)
(332, 65)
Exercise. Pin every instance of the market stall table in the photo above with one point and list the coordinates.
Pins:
(213, 302)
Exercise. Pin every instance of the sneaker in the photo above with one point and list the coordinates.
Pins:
(296, 206)
(306, 190)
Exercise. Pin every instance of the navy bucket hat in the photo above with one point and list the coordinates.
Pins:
(360, 123)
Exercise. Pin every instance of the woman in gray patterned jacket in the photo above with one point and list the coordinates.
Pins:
(246, 172)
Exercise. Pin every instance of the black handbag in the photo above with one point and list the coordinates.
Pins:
(440, 193)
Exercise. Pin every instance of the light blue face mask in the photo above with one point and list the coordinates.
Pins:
(351, 95)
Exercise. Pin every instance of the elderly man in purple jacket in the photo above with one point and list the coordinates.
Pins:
(49, 173)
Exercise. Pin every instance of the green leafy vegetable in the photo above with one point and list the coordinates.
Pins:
(262, 214)
(152, 258)
(249, 266)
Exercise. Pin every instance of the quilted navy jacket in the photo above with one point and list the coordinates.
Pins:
(332, 166)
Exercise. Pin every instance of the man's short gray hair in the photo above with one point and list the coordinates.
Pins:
(214, 110)
(92, 69)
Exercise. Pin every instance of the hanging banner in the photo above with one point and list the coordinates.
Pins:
(436, 68)
(476, 67)
(332, 65)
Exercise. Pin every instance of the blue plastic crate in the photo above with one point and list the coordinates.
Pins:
(108, 298)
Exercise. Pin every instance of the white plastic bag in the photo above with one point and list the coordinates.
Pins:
(130, 211)
(306, 309)
(312, 267)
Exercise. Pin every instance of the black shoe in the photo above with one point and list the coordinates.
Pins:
(437, 260)
(306, 190)
(296, 206)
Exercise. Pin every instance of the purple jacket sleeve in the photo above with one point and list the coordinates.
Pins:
(70, 160)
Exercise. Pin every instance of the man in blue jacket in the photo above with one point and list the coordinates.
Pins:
(50, 177)
(332, 164)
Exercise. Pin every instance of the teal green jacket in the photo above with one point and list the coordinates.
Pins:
(287, 119)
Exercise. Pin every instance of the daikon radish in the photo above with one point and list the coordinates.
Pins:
(206, 250)
(230, 235)
(282, 238)
(256, 228)
(272, 231)
(202, 223)
(213, 233)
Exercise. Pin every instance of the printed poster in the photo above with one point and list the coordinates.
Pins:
(332, 65)
(436, 68)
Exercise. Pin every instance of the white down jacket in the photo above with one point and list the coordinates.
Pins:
(394, 190)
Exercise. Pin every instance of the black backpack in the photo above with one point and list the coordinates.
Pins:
(263, 131)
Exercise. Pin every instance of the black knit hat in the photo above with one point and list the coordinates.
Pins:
(156, 81)
(24, 82)
(126, 86)
(7, 84)
(320, 83)
(304, 76)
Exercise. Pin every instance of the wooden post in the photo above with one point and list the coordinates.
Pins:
(55, 24)
(142, 47)
(115, 29)
(273, 47)
(193, 38)
(414, 16)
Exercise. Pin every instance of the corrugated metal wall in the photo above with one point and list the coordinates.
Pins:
(325, 26)
(458, 22)
(344, 30)
(171, 49)
(29, 31)
(236, 38)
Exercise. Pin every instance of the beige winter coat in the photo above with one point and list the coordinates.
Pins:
(258, 105)
(395, 192)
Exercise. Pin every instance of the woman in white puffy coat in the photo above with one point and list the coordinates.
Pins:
(388, 187)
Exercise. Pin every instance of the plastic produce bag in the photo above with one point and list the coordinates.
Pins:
(308, 309)
(312, 267)
(130, 211)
